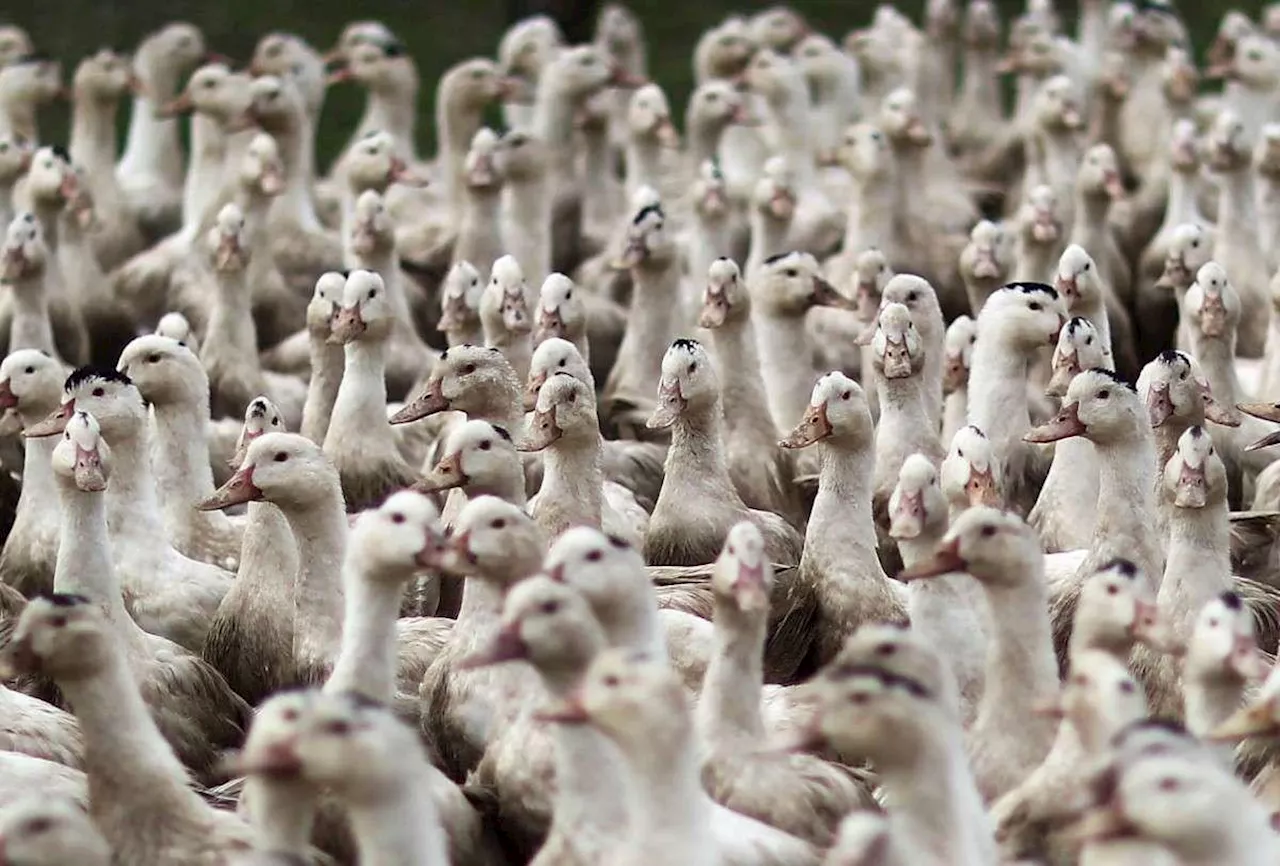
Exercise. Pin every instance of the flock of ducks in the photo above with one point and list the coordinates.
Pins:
(868, 474)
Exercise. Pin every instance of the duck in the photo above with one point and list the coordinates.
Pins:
(505, 314)
(24, 270)
(749, 431)
(573, 490)
(1097, 186)
(623, 687)
(480, 458)
(150, 168)
(169, 377)
(1015, 324)
(43, 831)
(986, 262)
(936, 813)
(728, 713)
(696, 477)
(1041, 237)
(292, 472)
(460, 304)
(259, 602)
(1222, 660)
(180, 605)
(26, 84)
(31, 386)
(70, 639)
(1001, 552)
(840, 582)
(961, 336)
(480, 218)
(1079, 282)
(370, 465)
(561, 315)
(327, 358)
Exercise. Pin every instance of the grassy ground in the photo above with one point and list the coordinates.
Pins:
(438, 35)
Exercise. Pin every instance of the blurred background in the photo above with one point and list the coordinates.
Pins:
(439, 34)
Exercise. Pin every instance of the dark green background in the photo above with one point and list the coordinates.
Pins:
(438, 34)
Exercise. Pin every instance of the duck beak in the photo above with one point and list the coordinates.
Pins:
(428, 403)
(507, 646)
(1101, 824)
(918, 133)
(1150, 628)
(347, 325)
(568, 712)
(981, 488)
(1071, 118)
(1192, 489)
(749, 589)
(907, 519)
(339, 75)
(1064, 426)
(955, 375)
(8, 400)
(176, 107)
(515, 313)
(946, 560)
(782, 205)
(54, 424)
(1213, 316)
(621, 78)
(88, 473)
(671, 404)
(1050, 709)
(715, 310)
(635, 253)
(238, 489)
(531, 390)
(668, 137)
(1045, 228)
(1068, 287)
(1251, 721)
(229, 253)
(543, 431)
(18, 658)
(1263, 411)
(550, 324)
(1265, 442)
(272, 180)
(813, 427)
(1247, 662)
(985, 266)
(277, 761)
(1159, 405)
(445, 475)
(825, 295)
(1064, 371)
(896, 360)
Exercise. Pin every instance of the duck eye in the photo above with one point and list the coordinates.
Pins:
(1169, 784)
(561, 363)
(58, 621)
(693, 367)
(1126, 686)
(1087, 266)
(1112, 589)
(913, 297)
(468, 369)
(1104, 394)
(373, 293)
(612, 681)
(789, 272)
(846, 395)
(595, 555)
(988, 531)
(397, 517)
(39, 825)
(1213, 623)
(99, 392)
(31, 369)
(886, 649)
(338, 729)
(550, 606)
(280, 457)
(486, 445)
(290, 715)
(1036, 306)
(499, 523)
(153, 358)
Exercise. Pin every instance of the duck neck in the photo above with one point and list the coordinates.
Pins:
(1236, 212)
(980, 83)
(133, 512)
(553, 113)
(282, 814)
(597, 170)
(904, 424)
(651, 325)
(873, 199)
(480, 228)
(841, 527)
(696, 454)
(768, 238)
(300, 170)
(1209, 700)
(398, 825)
(668, 807)
(18, 117)
(1126, 516)
(327, 364)
(367, 659)
(231, 327)
(1181, 207)
(320, 531)
(527, 206)
(1198, 568)
(729, 708)
(1021, 667)
(644, 163)
(360, 409)
(741, 388)
(124, 750)
(787, 373)
(455, 127)
(790, 114)
(1090, 225)
(93, 136)
(394, 111)
(481, 602)
(935, 795)
(515, 346)
(208, 155)
(1060, 157)
(38, 499)
(30, 327)
(153, 142)
(1217, 358)
(573, 477)
(181, 454)
(84, 564)
(998, 393)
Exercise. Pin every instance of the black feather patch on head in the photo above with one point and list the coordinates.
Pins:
(346, 274)
(619, 542)
(1030, 288)
(1076, 323)
(685, 343)
(91, 373)
(1170, 356)
(645, 211)
(1231, 601)
(1126, 567)
(1196, 432)
(778, 257)
(394, 48)
(65, 599)
(977, 430)
(501, 431)
(1114, 377)
(61, 153)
